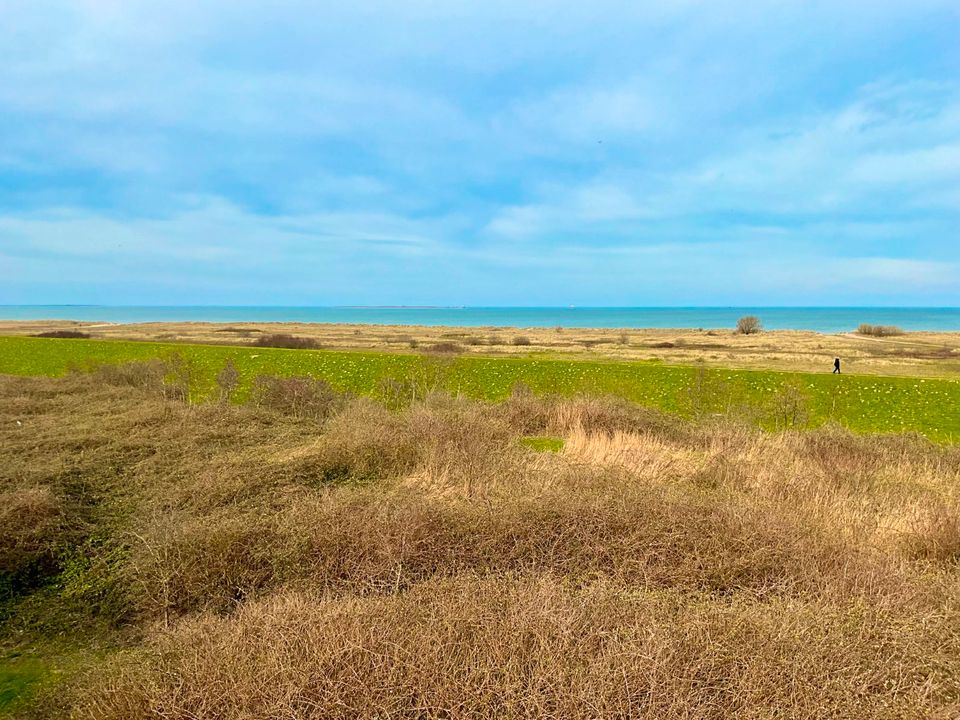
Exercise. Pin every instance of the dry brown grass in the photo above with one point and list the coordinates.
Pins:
(29, 520)
(420, 562)
(510, 647)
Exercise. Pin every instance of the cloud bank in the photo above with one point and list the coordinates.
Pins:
(480, 153)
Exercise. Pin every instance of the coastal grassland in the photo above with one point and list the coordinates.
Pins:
(914, 354)
(859, 402)
(421, 559)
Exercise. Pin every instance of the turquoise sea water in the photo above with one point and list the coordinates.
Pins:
(822, 319)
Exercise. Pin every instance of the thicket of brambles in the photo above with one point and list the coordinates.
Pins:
(311, 554)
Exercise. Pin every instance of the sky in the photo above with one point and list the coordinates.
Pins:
(750, 152)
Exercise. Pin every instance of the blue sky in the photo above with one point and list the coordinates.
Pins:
(488, 153)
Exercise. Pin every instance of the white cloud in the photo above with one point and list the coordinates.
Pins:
(216, 252)
(214, 230)
(421, 147)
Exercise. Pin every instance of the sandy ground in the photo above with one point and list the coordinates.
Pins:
(924, 354)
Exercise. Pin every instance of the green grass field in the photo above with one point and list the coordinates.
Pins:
(863, 403)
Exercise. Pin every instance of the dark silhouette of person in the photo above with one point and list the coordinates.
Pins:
(836, 365)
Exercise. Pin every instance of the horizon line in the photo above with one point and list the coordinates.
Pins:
(491, 307)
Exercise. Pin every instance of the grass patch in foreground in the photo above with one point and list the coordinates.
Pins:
(21, 675)
(541, 443)
(860, 402)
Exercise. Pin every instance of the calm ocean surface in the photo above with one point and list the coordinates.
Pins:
(822, 319)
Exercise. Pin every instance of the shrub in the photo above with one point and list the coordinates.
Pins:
(521, 340)
(146, 374)
(299, 396)
(30, 519)
(707, 394)
(444, 348)
(527, 413)
(283, 340)
(789, 407)
(63, 334)
(363, 443)
(396, 394)
(228, 379)
(879, 330)
(94, 578)
(749, 325)
(180, 377)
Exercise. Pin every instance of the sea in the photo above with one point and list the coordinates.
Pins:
(820, 319)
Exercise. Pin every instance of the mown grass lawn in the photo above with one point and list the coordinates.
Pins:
(860, 402)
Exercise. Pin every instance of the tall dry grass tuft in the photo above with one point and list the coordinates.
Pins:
(144, 375)
(533, 414)
(934, 534)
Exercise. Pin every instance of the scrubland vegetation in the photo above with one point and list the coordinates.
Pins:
(879, 330)
(309, 553)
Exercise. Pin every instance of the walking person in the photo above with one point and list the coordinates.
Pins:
(836, 366)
